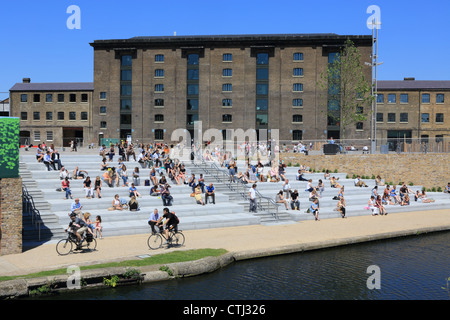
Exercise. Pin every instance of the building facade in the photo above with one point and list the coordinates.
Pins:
(413, 110)
(147, 87)
(55, 113)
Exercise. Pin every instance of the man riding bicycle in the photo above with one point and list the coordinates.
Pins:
(171, 222)
(78, 226)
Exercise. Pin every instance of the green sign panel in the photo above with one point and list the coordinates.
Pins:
(9, 147)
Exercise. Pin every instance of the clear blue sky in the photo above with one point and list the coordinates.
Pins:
(36, 42)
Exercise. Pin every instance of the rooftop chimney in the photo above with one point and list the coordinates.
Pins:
(409, 79)
(26, 80)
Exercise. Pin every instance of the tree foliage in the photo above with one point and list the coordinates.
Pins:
(348, 90)
(9, 147)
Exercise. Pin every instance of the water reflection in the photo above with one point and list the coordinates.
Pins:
(411, 268)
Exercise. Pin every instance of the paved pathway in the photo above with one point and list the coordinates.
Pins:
(235, 239)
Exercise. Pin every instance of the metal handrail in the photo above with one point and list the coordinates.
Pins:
(236, 186)
(29, 206)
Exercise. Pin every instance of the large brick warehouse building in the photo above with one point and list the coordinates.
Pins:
(147, 87)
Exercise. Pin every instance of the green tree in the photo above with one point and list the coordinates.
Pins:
(348, 91)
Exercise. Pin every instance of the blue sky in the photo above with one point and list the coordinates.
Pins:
(36, 42)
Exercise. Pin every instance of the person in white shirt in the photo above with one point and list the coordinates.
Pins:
(252, 195)
(287, 188)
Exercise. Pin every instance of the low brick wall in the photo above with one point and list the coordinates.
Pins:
(428, 170)
(10, 216)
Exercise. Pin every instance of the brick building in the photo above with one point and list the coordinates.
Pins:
(413, 110)
(149, 86)
(53, 112)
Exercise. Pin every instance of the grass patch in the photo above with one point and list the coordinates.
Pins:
(164, 258)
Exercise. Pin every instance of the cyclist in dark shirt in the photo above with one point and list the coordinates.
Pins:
(171, 221)
(77, 225)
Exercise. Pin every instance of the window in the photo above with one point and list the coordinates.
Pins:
(380, 98)
(262, 74)
(298, 72)
(49, 135)
(392, 98)
(227, 118)
(84, 115)
(36, 97)
(379, 117)
(125, 105)
(359, 110)
(193, 74)
(126, 60)
(159, 134)
(297, 135)
(159, 58)
(24, 116)
(126, 75)
(159, 87)
(191, 118)
(228, 87)
(425, 117)
(227, 57)
(262, 104)
(72, 97)
(23, 98)
(391, 117)
(102, 95)
(439, 117)
(159, 102)
(36, 115)
(125, 119)
(84, 97)
(298, 56)
(159, 73)
(297, 118)
(102, 110)
(159, 118)
(192, 89)
(425, 98)
(297, 102)
(49, 97)
(261, 119)
(359, 126)
(262, 89)
(404, 117)
(72, 115)
(37, 136)
(192, 104)
(439, 98)
(298, 87)
(125, 90)
(227, 72)
(103, 124)
(227, 102)
(404, 98)
(262, 58)
(60, 97)
(60, 115)
(49, 115)
(193, 59)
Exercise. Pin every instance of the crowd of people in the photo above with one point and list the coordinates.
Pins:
(164, 169)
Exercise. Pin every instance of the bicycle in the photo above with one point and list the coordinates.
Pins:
(175, 239)
(66, 246)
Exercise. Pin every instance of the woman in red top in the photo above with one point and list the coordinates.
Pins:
(65, 185)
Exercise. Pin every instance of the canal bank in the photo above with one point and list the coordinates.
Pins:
(241, 242)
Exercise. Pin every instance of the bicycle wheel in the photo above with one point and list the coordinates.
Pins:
(177, 239)
(64, 247)
(154, 241)
(91, 245)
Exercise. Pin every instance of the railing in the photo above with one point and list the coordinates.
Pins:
(29, 207)
(236, 185)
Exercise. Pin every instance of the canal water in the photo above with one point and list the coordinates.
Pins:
(415, 267)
